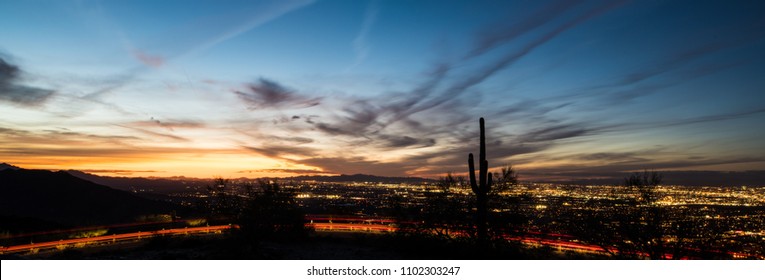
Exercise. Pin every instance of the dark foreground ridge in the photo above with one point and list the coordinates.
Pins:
(41, 198)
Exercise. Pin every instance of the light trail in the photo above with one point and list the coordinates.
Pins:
(65, 243)
(379, 228)
(330, 218)
(318, 223)
(113, 226)
(333, 227)
(352, 227)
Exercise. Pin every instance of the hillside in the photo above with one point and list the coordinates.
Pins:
(60, 198)
(155, 185)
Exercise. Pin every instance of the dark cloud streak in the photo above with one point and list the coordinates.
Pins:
(279, 151)
(156, 134)
(365, 120)
(268, 94)
(355, 165)
(508, 59)
(13, 91)
(555, 132)
(696, 52)
(371, 118)
(494, 37)
(170, 125)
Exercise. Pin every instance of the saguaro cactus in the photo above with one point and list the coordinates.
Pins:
(482, 188)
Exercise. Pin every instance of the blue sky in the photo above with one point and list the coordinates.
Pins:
(257, 88)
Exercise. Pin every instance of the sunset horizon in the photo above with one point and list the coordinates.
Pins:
(283, 88)
(394, 138)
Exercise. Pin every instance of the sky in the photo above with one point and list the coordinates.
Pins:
(394, 88)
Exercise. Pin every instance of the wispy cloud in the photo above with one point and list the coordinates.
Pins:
(12, 90)
(156, 134)
(62, 136)
(255, 18)
(466, 82)
(154, 61)
(295, 139)
(695, 120)
(268, 94)
(290, 139)
(170, 125)
(556, 132)
(354, 165)
(360, 44)
(413, 125)
(694, 52)
(396, 141)
(395, 121)
(280, 151)
(181, 44)
(681, 64)
(505, 31)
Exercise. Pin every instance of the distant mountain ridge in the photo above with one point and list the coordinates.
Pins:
(164, 185)
(361, 178)
(685, 178)
(156, 185)
(4, 166)
(680, 178)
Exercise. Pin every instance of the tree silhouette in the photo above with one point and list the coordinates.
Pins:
(273, 213)
(218, 201)
(504, 222)
(443, 210)
(506, 179)
(644, 227)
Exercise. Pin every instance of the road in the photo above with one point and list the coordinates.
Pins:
(346, 224)
(78, 242)
(318, 223)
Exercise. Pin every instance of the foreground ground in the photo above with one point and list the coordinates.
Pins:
(318, 245)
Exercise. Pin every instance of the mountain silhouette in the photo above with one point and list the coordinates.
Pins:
(4, 166)
(680, 178)
(60, 198)
(362, 178)
(165, 185)
(157, 185)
